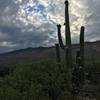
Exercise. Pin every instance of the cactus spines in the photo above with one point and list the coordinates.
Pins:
(82, 46)
(60, 37)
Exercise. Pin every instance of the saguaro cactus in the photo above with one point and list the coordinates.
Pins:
(82, 46)
(82, 53)
(68, 37)
(67, 47)
(78, 71)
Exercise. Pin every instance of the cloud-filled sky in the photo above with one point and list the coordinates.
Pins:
(32, 23)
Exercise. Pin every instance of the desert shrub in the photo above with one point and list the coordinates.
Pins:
(4, 71)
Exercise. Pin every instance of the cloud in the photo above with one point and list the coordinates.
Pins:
(32, 23)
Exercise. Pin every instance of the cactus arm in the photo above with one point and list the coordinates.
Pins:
(82, 46)
(60, 37)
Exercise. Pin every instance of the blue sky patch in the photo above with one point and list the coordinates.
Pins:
(39, 8)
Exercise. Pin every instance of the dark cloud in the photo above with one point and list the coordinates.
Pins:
(22, 39)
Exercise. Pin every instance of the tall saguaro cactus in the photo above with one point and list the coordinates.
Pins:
(82, 53)
(67, 47)
(68, 36)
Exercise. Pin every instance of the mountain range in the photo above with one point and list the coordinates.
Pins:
(92, 53)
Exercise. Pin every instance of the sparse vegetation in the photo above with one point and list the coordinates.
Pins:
(40, 80)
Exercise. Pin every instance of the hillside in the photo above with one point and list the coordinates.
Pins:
(92, 52)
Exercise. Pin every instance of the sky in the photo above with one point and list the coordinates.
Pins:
(32, 23)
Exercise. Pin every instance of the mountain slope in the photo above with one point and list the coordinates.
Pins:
(92, 51)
